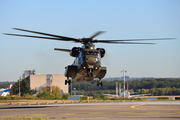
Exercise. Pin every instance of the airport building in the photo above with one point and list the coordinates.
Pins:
(37, 81)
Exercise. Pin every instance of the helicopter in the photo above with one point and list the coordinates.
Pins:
(87, 63)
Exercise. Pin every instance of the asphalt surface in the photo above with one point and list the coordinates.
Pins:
(155, 110)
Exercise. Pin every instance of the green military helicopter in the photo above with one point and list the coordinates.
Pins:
(87, 63)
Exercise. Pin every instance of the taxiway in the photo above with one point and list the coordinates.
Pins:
(99, 111)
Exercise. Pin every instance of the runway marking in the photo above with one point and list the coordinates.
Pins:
(97, 113)
(6, 116)
(151, 107)
(157, 112)
(68, 114)
(124, 112)
(136, 105)
(39, 115)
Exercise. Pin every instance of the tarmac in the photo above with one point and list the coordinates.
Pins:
(164, 110)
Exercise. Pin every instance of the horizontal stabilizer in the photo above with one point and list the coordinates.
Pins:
(65, 50)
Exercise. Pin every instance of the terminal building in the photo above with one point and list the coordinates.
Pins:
(37, 81)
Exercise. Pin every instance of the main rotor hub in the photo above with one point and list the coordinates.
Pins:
(86, 40)
(88, 46)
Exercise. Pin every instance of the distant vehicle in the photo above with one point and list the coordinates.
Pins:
(5, 92)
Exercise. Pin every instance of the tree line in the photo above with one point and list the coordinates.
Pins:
(160, 86)
(5, 84)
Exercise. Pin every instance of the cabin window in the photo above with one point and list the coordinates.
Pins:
(90, 53)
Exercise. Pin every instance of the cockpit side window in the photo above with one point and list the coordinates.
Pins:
(91, 53)
(84, 52)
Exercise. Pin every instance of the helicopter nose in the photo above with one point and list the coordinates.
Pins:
(91, 60)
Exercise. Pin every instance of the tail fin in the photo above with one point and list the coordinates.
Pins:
(10, 86)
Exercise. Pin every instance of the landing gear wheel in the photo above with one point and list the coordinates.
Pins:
(91, 74)
(98, 83)
(88, 73)
(69, 82)
(101, 83)
(66, 82)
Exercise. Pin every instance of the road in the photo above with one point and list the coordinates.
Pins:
(155, 110)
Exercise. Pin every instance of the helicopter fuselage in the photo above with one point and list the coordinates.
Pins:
(87, 65)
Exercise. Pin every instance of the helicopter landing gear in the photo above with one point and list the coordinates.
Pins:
(68, 81)
(90, 73)
(100, 83)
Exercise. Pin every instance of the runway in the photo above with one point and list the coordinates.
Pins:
(155, 110)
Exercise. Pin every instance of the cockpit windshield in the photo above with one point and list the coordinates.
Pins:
(90, 53)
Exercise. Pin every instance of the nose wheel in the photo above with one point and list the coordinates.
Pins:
(90, 73)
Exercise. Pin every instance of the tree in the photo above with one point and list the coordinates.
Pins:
(45, 93)
(161, 91)
(56, 90)
(24, 88)
(15, 89)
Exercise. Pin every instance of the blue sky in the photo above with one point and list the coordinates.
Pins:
(128, 19)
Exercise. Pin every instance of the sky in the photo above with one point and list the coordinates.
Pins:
(121, 19)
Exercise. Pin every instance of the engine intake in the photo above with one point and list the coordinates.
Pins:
(102, 51)
(75, 51)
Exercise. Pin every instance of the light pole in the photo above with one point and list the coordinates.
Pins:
(116, 89)
(51, 80)
(124, 80)
(71, 87)
(120, 89)
(19, 86)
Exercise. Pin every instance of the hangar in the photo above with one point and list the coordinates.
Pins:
(37, 81)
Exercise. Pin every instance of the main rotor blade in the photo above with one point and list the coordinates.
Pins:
(137, 39)
(57, 36)
(114, 42)
(36, 37)
(96, 34)
(65, 50)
